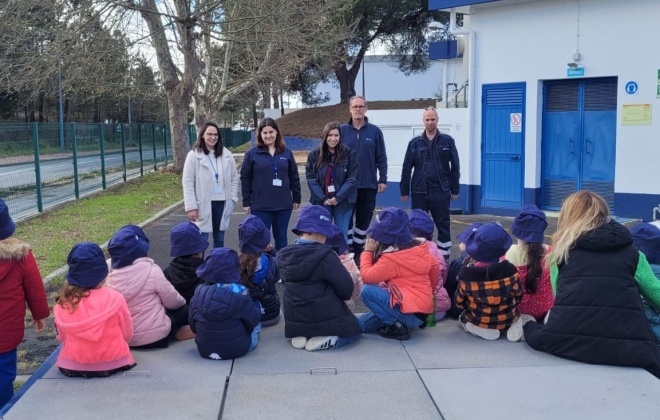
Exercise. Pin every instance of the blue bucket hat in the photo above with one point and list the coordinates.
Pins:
(221, 266)
(87, 266)
(530, 224)
(421, 225)
(186, 239)
(7, 226)
(127, 245)
(253, 235)
(488, 243)
(646, 238)
(313, 219)
(337, 240)
(463, 236)
(391, 227)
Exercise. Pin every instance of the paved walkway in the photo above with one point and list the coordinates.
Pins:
(440, 373)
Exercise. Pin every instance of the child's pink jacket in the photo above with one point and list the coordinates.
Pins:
(442, 300)
(95, 335)
(352, 268)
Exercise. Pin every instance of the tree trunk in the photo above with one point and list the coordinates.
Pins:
(254, 116)
(276, 98)
(178, 111)
(346, 79)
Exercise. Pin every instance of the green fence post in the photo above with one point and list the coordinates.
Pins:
(123, 151)
(153, 142)
(165, 142)
(74, 150)
(140, 149)
(101, 144)
(37, 167)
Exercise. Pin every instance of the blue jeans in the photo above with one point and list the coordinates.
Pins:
(255, 337)
(344, 341)
(217, 208)
(341, 219)
(378, 301)
(279, 220)
(7, 376)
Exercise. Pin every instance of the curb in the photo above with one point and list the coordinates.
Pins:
(63, 270)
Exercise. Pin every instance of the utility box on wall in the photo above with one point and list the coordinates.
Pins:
(443, 50)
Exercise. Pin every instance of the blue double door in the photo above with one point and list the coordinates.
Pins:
(579, 139)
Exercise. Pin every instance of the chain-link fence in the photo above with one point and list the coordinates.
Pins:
(42, 165)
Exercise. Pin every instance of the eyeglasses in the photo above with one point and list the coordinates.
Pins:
(358, 106)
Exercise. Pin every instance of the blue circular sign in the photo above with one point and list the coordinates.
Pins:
(631, 88)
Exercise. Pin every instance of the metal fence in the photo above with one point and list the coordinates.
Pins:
(41, 166)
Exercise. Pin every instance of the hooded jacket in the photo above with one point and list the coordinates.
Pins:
(182, 274)
(411, 276)
(148, 294)
(20, 282)
(223, 316)
(95, 335)
(315, 288)
(264, 280)
(598, 315)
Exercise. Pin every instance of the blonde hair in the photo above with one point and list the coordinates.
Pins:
(581, 212)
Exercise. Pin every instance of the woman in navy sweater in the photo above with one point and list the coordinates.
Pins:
(270, 181)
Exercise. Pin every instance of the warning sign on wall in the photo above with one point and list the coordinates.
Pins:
(516, 122)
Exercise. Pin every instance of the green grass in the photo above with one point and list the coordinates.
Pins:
(240, 149)
(17, 385)
(97, 218)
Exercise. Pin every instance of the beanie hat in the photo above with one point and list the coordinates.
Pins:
(646, 238)
(7, 226)
(391, 227)
(421, 224)
(221, 266)
(127, 245)
(337, 240)
(463, 236)
(187, 239)
(530, 224)
(488, 243)
(313, 219)
(87, 266)
(253, 235)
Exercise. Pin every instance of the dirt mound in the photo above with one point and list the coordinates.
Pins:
(309, 122)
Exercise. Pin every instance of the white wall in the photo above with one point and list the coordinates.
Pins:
(384, 81)
(533, 42)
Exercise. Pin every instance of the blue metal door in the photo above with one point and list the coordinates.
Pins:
(502, 145)
(579, 139)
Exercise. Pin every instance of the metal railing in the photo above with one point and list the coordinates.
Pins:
(40, 169)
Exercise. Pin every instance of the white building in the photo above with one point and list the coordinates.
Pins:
(563, 95)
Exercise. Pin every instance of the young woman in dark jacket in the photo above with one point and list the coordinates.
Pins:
(598, 276)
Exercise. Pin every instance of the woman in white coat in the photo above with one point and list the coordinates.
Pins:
(210, 184)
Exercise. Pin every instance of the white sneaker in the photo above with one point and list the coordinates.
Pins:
(515, 331)
(299, 342)
(485, 333)
(321, 343)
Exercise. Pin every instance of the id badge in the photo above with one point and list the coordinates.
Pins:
(217, 189)
(277, 182)
(331, 188)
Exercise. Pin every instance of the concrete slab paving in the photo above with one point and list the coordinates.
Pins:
(544, 393)
(447, 345)
(121, 399)
(275, 354)
(354, 395)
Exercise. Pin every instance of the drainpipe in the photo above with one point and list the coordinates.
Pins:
(443, 87)
(454, 30)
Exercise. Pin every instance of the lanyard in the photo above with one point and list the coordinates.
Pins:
(215, 169)
(275, 164)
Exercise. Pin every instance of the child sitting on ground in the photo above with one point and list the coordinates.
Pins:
(528, 255)
(258, 270)
(222, 313)
(187, 246)
(315, 287)
(409, 271)
(338, 242)
(92, 322)
(646, 237)
(159, 312)
(20, 283)
(421, 228)
(456, 266)
(489, 290)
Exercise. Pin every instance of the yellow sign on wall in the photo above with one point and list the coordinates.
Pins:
(636, 114)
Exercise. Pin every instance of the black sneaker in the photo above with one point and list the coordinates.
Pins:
(397, 331)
